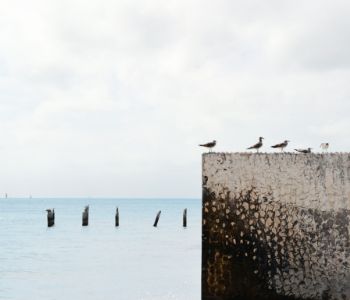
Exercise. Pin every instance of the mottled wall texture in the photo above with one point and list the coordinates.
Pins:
(276, 226)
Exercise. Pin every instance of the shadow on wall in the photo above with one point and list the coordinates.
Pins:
(257, 248)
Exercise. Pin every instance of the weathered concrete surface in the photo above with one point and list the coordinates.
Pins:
(276, 226)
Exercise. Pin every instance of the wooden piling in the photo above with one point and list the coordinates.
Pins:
(117, 218)
(86, 216)
(50, 217)
(184, 219)
(157, 219)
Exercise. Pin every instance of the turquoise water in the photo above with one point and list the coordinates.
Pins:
(68, 261)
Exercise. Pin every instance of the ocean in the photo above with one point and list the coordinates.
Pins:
(134, 261)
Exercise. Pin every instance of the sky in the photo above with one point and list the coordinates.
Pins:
(111, 98)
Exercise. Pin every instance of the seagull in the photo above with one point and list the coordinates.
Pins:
(209, 145)
(325, 146)
(257, 146)
(308, 150)
(282, 145)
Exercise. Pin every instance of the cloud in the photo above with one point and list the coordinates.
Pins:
(101, 97)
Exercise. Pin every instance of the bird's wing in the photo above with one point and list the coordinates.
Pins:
(204, 145)
(278, 145)
(257, 145)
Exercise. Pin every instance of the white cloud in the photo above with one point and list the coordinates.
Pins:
(112, 98)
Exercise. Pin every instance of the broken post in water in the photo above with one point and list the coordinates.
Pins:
(117, 218)
(184, 221)
(86, 216)
(50, 217)
(157, 219)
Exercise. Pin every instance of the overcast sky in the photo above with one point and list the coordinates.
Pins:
(111, 98)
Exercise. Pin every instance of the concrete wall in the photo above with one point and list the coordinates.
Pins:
(276, 226)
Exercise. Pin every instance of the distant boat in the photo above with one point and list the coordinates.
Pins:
(6, 195)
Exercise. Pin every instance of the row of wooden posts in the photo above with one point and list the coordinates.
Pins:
(85, 217)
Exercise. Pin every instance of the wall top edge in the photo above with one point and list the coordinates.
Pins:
(276, 153)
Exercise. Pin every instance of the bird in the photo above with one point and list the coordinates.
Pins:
(308, 150)
(324, 146)
(281, 145)
(209, 145)
(257, 146)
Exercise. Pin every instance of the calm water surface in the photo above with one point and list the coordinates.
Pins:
(68, 261)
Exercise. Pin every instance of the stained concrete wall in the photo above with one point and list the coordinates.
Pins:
(276, 226)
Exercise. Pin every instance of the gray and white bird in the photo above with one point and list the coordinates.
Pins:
(209, 145)
(324, 146)
(257, 146)
(281, 145)
(308, 150)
